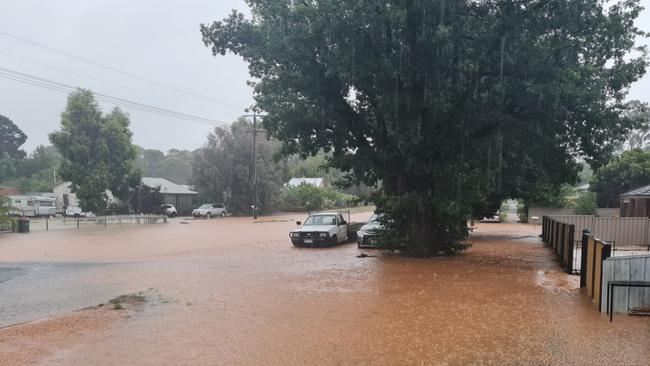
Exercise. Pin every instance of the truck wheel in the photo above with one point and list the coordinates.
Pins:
(335, 240)
(207, 216)
(223, 214)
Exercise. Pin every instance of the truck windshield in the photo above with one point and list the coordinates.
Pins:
(205, 206)
(321, 220)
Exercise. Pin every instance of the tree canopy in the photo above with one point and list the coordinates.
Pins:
(624, 173)
(97, 151)
(11, 139)
(451, 105)
(223, 168)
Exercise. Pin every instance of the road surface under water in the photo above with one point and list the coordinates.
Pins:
(234, 292)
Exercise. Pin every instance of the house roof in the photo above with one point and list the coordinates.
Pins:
(166, 187)
(642, 191)
(294, 182)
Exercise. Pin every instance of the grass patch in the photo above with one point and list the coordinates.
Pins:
(129, 299)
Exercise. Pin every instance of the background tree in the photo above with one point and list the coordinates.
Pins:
(11, 138)
(452, 105)
(34, 173)
(638, 137)
(146, 200)
(223, 169)
(97, 151)
(624, 173)
(173, 166)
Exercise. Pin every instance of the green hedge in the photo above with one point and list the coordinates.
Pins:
(309, 198)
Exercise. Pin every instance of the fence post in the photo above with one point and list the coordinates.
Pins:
(77, 222)
(105, 224)
(571, 244)
(583, 258)
(47, 224)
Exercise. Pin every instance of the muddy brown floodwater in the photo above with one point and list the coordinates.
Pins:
(233, 292)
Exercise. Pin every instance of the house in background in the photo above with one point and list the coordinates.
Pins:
(636, 203)
(66, 198)
(316, 182)
(176, 194)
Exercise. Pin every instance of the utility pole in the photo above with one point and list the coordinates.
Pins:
(254, 166)
(254, 131)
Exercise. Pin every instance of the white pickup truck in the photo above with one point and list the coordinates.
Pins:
(319, 230)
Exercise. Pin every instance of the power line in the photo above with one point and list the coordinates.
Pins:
(64, 88)
(114, 69)
(103, 80)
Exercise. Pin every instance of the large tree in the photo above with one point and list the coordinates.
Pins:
(223, 169)
(452, 105)
(624, 173)
(11, 138)
(97, 151)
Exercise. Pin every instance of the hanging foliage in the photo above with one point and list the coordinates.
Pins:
(452, 105)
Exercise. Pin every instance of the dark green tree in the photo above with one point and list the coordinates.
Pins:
(624, 173)
(97, 151)
(11, 138)
(146, 200)
(452, 105)
(223, 169)
(174, 166)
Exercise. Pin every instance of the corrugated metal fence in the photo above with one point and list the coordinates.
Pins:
(630, 268)
(624, 231)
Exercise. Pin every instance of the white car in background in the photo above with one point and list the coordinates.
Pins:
(169, 210)
(209, 210)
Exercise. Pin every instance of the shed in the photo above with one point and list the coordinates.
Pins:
(176, 194)
(636, 203)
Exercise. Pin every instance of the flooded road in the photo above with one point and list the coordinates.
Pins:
(231, 292)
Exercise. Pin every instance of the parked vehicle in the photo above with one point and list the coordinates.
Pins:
(209, 210)
(320, 229)
(494, 218)
(32, 206)
(169, 210)
(74, 211)
(367, 234)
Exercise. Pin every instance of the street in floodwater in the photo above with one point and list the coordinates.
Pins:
(231, 291)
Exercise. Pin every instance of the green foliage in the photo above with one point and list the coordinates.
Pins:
(34, 173)
(222, 171)
(145, 199)
(624, 173)
(4, 211)
(587, 203)
(522, 212)
(451, 105)
(306, 197)
(11, 138)
(172, 166)
(97, 152)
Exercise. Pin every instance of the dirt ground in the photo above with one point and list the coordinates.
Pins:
(233, 292)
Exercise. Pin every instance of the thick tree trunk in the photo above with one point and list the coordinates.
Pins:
(422, 240)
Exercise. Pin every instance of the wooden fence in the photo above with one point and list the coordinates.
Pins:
(629, 268)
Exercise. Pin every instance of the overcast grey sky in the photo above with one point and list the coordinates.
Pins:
(154, 39)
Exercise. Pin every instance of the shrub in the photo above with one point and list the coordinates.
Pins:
(306, 197)
(587, 203)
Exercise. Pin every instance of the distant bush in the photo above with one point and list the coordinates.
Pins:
(522, 212)
(587, 203)
(306, 197)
